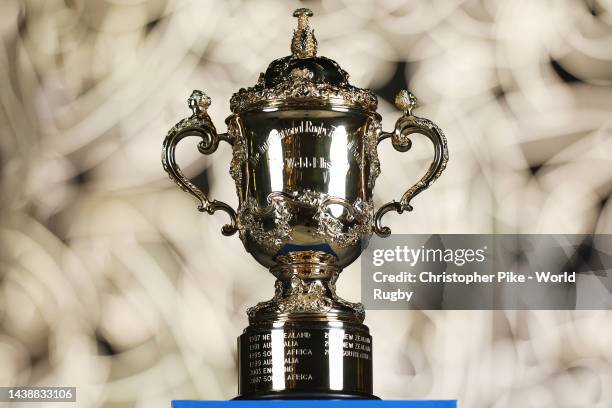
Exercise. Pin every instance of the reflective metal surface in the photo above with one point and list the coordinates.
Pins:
(305, 179)
(305, 357)
(305, 164)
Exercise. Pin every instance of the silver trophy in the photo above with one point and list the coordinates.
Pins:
(305, 163)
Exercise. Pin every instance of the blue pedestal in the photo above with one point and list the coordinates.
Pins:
(315, 403)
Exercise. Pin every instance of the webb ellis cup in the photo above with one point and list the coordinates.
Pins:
(305, 163)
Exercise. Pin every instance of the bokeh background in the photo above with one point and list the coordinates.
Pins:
(111, 281)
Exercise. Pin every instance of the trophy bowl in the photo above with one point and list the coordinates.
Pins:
(307, 182)
(305, 163)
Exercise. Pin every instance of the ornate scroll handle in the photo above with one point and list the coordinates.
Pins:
(198, 124)
(404, 127)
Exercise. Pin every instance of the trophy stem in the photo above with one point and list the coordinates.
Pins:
(306, 342)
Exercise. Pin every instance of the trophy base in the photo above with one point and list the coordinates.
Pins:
(305, 359)
(313, 395)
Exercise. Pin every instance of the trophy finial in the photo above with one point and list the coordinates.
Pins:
(406, 101)
(304, 43)
(198, 102)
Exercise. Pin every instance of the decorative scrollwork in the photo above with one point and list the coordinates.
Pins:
(302, 296)
(355, 221)
(198, 124)
(400, 139)
(305, 297)
(250, 223)
(301, 73)
(303, 88)
(371, 151)
(360, 212)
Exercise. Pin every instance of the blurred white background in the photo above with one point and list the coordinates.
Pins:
(111, 281)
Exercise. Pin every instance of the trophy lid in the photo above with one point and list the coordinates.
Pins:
(303, 79)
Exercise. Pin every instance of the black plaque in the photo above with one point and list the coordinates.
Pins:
(314, 359)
